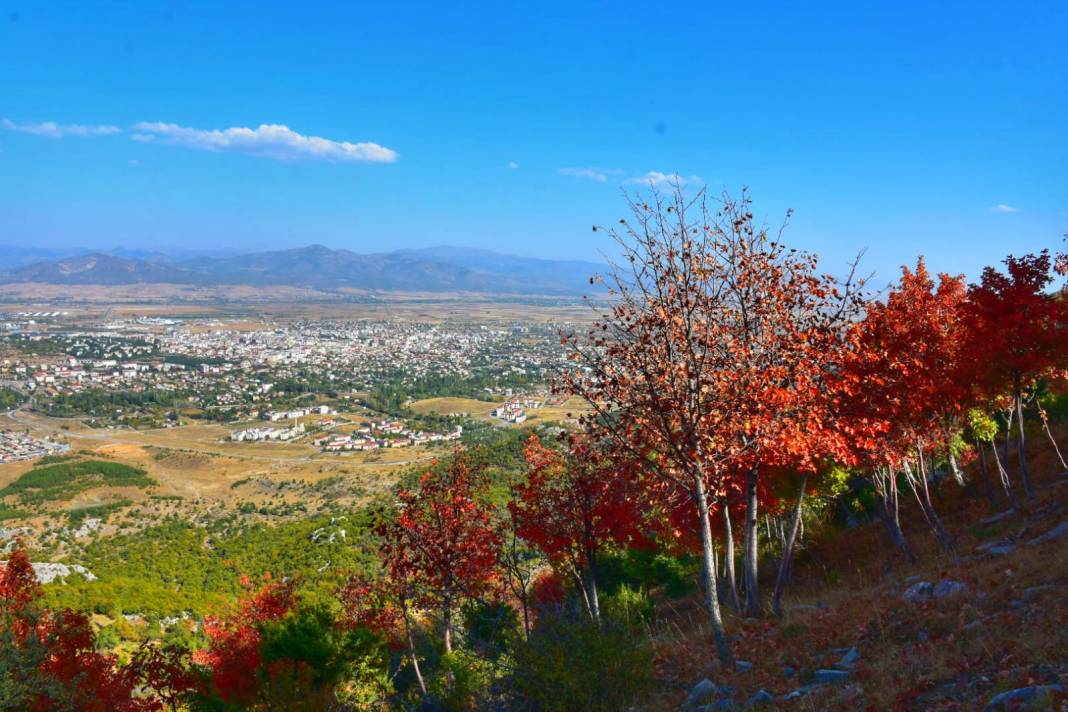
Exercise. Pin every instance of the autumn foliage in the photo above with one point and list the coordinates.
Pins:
(443, 546)
(50, 656)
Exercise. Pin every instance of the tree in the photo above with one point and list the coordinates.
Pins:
(234, 657)
(713, 358)
(572, 504)
(48, 659)
(383, 605)
(903, 390)
(168, 671)
(443, 539)
(274, 651)
(982, 429)
(1018, 332)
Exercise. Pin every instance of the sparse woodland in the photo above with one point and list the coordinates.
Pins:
(807, 494)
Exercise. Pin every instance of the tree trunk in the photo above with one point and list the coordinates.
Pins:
(925, 501)
(788, 552)
(984, 473)
(591, 571)
(524, 603)
(728, 558)
(1003, 474)
(709, 569)
(1049, 434)
(446, 617)
(953, 467)
(1021, 452)
(584, 588)
(750, 563)
(1010, 416)
(411, 646)
(886, 488)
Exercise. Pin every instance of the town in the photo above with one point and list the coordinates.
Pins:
(155, 373)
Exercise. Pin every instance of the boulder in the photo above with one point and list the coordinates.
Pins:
(926, 591)
(700, 692)
(1029, 594)
(943, 589)
(829, 677)
(1054, 533)
(849, 659)
(762, 697)
(49, 572)
(1025, 697)
(918, 592)
(998, 547)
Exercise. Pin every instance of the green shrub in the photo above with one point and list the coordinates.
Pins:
(8, 512)
(491, 627)
(463, 681)
(63, 480)
(631, 606)
(647, 569)
(100, 511)
(572, 665)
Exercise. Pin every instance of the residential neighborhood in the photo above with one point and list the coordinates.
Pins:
(16, 446)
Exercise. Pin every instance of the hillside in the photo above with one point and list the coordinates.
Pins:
(860, 618)
(99, 268)
(443, 269)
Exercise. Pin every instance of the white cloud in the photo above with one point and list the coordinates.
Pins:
(53, 130)
(513, 165)
(268, 140)
(656, 178)
(595, 174)
(1002, 208)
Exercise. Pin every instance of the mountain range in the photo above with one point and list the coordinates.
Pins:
(433, 269)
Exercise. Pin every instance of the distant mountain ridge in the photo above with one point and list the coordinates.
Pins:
(434, 269)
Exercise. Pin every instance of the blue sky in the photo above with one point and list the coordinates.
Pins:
(897, 128)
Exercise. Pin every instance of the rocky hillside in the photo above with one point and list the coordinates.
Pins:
(864, 629)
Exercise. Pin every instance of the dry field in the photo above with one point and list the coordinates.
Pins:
(481, 409)
(257, 303)
(192, 463)
(571, 408)
(443, 406)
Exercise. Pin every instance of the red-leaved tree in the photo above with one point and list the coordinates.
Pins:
(49, 658)
(572, 504)
(906, 392)
(1018, 332)
(234, 655)
(443, 547)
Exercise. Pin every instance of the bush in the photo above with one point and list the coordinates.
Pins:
(490, 627)
(547, 590)
(631, 606)
(643, 568)
(571, 665)
(463, 681)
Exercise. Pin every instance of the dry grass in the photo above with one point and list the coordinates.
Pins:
(443, 406)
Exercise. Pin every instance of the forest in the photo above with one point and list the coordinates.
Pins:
(788, 492)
